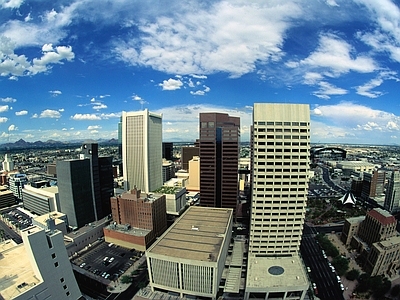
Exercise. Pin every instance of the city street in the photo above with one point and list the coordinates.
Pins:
(321, 273)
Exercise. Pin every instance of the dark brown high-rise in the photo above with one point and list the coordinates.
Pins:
(219, 154)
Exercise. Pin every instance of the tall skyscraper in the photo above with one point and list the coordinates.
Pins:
(142, 150)
(219, 155)
(85, 186)
(392, 198)
(8, 163)
(280, 159)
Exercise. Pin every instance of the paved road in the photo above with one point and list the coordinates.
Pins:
(321, 273)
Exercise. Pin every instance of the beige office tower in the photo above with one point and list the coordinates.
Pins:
(280, 158)
(142, 150)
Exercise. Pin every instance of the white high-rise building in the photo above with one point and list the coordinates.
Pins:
(392, 197)
(280, 159)
(37, 269)
(8, 163)
(142, 150)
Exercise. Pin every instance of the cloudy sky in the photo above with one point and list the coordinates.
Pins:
(69, 68)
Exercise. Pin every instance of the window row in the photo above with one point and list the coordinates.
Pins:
(280, 137)
(269, 123)
(281, 130)
(290, 144)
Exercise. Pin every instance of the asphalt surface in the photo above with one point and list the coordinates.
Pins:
(327, 285)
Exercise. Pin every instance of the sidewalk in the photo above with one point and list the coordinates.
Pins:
(118, 287)
(348, 285)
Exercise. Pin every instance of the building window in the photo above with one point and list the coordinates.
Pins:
(53, 255)
(56, 264)
(62, 279)
(65, 286)
(67, 293)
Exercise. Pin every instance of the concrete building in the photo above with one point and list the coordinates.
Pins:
(392, 197)
(175, 198)
(142, 150)
(187, 153)
(350, 228)
(60, 221)
(168, 170)
(280, 158)
(137, 217)
(6, 198)
(378, 225)
(16, 183)
(51, 169)
(85, 186)
(41, 201)
(373, 184)
(188, 259)
(219, 154)
(377, 241)
(193, 182)
(167, 150)
(37, 269)
(350, 167)
(8, 163)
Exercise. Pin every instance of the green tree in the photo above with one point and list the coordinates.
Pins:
(381, 289)
(341, 265)
(126, 279)
(352, 274)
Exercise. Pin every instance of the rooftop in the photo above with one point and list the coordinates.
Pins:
(198, 234)
(16, 273)
(382, 216)
(276, 273)
(168, 190)
(134, 231)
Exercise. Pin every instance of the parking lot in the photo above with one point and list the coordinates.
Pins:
(106, 261)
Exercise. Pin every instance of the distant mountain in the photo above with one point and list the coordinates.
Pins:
(21, 144)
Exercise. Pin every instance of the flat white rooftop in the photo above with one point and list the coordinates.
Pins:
(275, 274)
(16, 273)
(197, 235)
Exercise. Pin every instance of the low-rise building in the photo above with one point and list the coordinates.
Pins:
(41, 201)
(189, 257)
(6, 198)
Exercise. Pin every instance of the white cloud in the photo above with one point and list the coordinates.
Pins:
(334, 57)
(110, 115)
(13, 65)
(8, 99)
(3, 119)
(21, 113)
(50, 113)
(80, 117)
(103, 96)
(386, 37)
(171, 84)
(201, 92)
(355, 117)
(326, 90)
(11, 3)
(61, 109)
(55, 93)
(232, 38)
(183, 121)
(12, 127)
(331, 3)
(94, 131)
(199, 76)
(93, 127)
(34, 116)
(367, 88)
(99, 106)
(4, 108)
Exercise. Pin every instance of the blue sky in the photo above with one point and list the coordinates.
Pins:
(69, 68)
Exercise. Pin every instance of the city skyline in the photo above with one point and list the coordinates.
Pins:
(69, 68)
